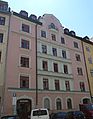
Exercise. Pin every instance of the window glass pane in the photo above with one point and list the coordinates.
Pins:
(64, 54)
(43, 34)
(62, 40)
(24, 44)
(79, 70)
(45, 84)
(91, 72)
(24, 82)
(2, 20)
(87, 49)
(75, 44)
(65, 69)
(53, 37)
(54, 50)
(47, 103)
(44, 49)
(69, 103)
(25, 28)
(58, 104)
(45, 65)
(0, 55)
(55, 67)
(1, 38)
(82, 86)
(67, 85)
(57, 86)
(24, 62)
(77, 57)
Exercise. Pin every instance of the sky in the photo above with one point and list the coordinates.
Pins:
(76, 15)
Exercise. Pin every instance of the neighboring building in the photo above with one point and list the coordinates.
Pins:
(88, 54)
(4, 27)
(62, 79)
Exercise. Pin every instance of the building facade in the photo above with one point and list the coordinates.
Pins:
(20, 74)
(43, 65)
(88, 54)
(4, 36)
(62, 80)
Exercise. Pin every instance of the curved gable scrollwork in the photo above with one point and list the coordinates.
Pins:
(50, 21)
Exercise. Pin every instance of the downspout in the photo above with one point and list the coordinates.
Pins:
(86, 70)
(36, 66)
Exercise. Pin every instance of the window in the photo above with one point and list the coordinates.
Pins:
(58, 104)
(54, 50)
(45, 84)
(2, 20)
(24, 62)
(75, 44)
(91, 72)
(65, 69)
(87, 49)
(47, 103)
(52, 25)
(90, 60)
(79, 70)
(0, 100)
(3, 7)
(55, 67)
(24, 44)
(57, 86)
(69, 103)
(44, 49)
(82, 86)
(67, 85)
(62, 40)
(25, 28)
(1, 38)
(45, 65)
(24, 82)
(0, 55)
(64, 54)
(53, 37)
(78, 57)
(43, 34)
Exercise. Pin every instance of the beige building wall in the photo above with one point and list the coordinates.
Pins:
(88, 51)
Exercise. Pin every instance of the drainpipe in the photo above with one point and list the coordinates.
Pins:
(86, 71)
(36, 66)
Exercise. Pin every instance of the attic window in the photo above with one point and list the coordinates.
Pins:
(52, 26)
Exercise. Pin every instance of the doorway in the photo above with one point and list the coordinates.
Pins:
(24, 107)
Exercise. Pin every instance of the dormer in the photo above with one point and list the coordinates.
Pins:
(3, 6)
(23, 13)
(72, 33)
(86, 38)
(33, 17)
(66, 31)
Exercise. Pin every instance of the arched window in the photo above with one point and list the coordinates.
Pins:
(69, 103)
(53, 25)
(58, 104)
(86, 101)
(47, 103)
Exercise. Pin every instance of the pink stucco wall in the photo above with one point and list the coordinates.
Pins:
(15, 51)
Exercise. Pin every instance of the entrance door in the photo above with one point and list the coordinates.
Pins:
(24, 108)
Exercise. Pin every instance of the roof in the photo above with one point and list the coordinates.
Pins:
(27, 18)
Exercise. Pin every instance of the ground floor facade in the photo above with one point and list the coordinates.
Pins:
(18, 100)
